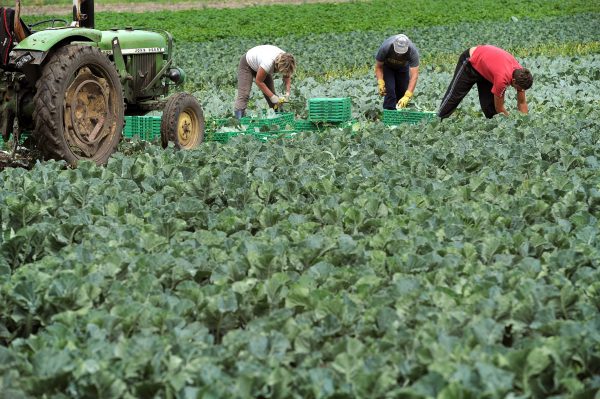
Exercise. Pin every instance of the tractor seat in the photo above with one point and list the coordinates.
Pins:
(21, 29)
(25, 29)
(12, 31)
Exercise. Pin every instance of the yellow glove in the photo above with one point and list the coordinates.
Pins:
(381, 87)
(404, 100)
(280, 102)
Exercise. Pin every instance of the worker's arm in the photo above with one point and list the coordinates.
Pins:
(287, 80)
(522, 102)
(379, 76)
(499, 105)
(261, 75)
(414, 75)
(379, 70)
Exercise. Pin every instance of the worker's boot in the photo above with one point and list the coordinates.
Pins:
(239, 113)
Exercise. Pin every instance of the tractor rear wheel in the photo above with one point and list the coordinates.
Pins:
(78, 106)
(182, 122)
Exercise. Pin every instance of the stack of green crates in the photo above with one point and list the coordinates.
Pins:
(335, 110)
(261, 128)
(396, 117)
(144, 127)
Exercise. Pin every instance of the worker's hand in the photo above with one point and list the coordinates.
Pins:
(404, 100)
(381, 87)
(274, 99)
(280, 102)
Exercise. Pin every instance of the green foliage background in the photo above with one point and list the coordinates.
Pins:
(453, 260)
(271, 22)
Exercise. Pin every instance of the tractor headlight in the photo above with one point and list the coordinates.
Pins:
(20, 58)
(177, 75)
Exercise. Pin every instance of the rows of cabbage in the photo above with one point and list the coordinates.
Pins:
(331, 17)
(453, 259)
(339, 65)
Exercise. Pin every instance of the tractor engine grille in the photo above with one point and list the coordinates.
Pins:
(143, 70)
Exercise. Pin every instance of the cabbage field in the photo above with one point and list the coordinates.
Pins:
(454, 259)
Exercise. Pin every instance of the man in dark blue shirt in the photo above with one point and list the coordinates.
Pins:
(397, 71)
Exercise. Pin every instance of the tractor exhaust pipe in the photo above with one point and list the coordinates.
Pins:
(83, 13)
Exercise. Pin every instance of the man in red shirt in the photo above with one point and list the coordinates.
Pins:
(493, 70)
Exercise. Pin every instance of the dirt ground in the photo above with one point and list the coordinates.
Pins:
(151, 6)
(23, 159)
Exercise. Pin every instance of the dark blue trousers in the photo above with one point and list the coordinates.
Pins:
(396, 83)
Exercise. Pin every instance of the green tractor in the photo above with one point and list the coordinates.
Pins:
(71, 86)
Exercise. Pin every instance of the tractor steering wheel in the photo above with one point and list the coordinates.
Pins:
(53, 20)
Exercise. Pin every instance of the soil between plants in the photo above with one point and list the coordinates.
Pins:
(180, 6)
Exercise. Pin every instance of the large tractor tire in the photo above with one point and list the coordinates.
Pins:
(182, 122)
(78, 106)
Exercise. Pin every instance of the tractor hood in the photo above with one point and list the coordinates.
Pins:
(131, 41)
(34, 48)
(134, 41)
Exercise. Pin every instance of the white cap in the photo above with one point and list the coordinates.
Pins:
(401, 44)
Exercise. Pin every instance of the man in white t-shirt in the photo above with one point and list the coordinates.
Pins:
(259, 64)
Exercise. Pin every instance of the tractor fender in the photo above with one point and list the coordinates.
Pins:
(46, 39)
(34, 48)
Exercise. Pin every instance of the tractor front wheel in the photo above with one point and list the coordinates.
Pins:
(78, 106)
(182, 122)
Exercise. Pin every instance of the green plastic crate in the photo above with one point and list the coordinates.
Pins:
(149, 127)
(212, 124)
(396, 117)
(221, 137)
(130, 127)
(301, 125)
(329, 109)
(144, 127)
(282, 119)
